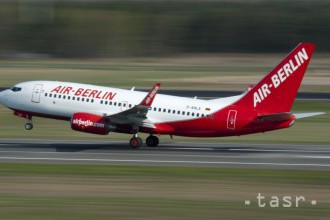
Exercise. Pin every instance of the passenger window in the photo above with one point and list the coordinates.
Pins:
(159, 109)
(50, 95)
(173, 112)
(164, 110)
(169, 111)
(87, 100)
(69, 97)
(73, 98)
(203, 115)
(124, 104)
(55, 96)
(106, 102)
(119, 104)
(59, 96)
(193, 114)
(155, 109)
(101, 102)
(110, 103)
(130, 105)
(46, 94)
(115, 103)
(92, 100)
(197, 115)
(82, 99)
(188, 113)
(78, 99)
(64, 97)
(179, 112)
(183, 113)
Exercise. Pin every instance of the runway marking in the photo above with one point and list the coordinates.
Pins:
(280, 150)
(161, 153)
(85, 153)
(224, 144)
(316, 157)
(163, 161)
(114, 153)
(192, 148)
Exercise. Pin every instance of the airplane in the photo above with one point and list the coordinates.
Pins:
(99, 110)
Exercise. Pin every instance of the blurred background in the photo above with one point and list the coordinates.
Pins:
(109, 28)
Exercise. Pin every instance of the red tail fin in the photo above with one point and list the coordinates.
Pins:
(276, 91)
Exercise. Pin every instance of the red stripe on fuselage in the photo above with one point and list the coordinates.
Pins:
(199, 127)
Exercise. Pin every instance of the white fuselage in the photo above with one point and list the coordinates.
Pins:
(63, 99)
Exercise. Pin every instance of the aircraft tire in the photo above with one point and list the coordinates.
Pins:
(152, 141)
(28, 126)
(135, 142)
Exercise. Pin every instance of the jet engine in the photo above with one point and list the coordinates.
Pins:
(89, 123)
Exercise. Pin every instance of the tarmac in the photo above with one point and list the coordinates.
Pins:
(236, 155)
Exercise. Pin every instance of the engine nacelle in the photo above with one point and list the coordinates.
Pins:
(90, 123)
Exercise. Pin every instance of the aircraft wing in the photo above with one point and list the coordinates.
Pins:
(137, 114)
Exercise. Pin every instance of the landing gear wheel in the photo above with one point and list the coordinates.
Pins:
(28, 126)
(152, 141)
(135, 142)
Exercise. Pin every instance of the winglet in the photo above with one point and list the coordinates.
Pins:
(147, 101)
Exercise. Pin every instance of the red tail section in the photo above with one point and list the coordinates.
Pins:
(264, 107)
(276, 92)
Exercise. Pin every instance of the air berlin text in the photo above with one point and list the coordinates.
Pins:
(87, 123)
(280, 76)
(89, 93)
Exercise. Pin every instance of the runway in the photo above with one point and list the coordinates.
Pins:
(272, 156)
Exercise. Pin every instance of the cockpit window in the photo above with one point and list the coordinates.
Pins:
(15, 89)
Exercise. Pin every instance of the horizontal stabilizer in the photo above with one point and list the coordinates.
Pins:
(309, 114)
(276, 117)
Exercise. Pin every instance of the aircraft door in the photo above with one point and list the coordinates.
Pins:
(36, 93)
(231, 120)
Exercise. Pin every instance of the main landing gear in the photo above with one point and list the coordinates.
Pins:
(152, 141)
(136, 142)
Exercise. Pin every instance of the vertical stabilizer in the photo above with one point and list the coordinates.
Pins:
(276, 92)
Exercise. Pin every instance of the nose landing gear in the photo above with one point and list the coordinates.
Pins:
(27, 116)
(28, 126)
